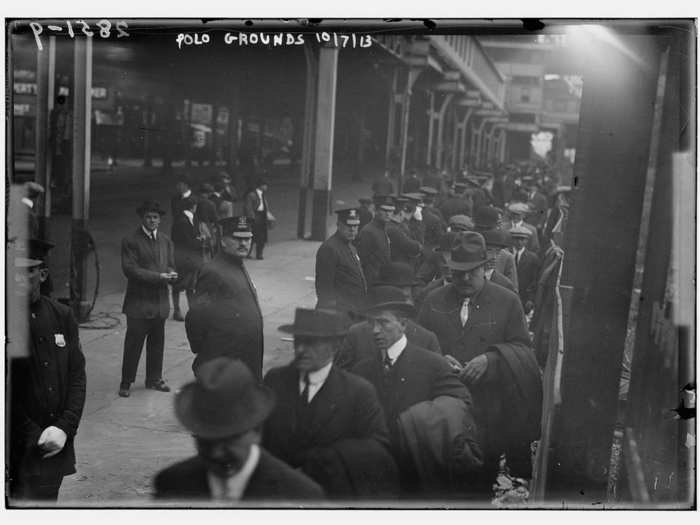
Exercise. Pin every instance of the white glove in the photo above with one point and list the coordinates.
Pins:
(52, 441)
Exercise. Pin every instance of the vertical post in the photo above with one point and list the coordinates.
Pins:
(431, 114)
(405, 115)
(441, 124)
(502, 145)
(308, 139)
(46, 67)
(82, 110)
(323, 144)
(456, 135)
(463, 142)
(391, 125)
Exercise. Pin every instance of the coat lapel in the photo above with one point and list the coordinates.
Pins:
(325, 402)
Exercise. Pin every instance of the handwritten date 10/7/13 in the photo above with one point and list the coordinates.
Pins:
(74, 28)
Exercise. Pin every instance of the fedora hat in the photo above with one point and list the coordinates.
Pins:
(389, 298)
(468, 252)
(225, 400)
(30, 252)
(320, 322)
(396, 274)
(148, 206)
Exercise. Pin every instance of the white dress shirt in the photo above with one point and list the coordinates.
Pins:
(149, 232)
(261, 206)
(316, 380)
(395, 350)
(489, 273)
(232, 488)
(187, 194)
(518, 254)
(190, 216)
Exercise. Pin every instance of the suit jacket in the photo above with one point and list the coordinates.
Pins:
(539, 205)
(505, 264)
(495, 316)
(272, 480)
(252, 202)
(359, 343)
(46, 389)
(374, 250)
(345, 407)
(340, 282)
(143, 261)
(417, 375)
(434, 226)
(533, 243)
(365, 216)
(225, 317)
(528, 274)
(500, 279)
(188, 249)
(402, 246)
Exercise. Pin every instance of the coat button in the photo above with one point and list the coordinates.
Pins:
(46, 363)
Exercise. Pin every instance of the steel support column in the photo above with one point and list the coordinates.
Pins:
(441, 121)
(308, 139)
(431, 120)
(412, 76)
(45, 93)
(391, 124)
(463, 142)
(323, 144)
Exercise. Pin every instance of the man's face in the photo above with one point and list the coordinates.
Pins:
(313, 353)
(28, 282)
(348, 231)
(150, 220)
(263, 187)
(468, 283)
(519, 242)
(381, 215)
(387, 328)
(238, 246)
(225, 457)
(491, 253)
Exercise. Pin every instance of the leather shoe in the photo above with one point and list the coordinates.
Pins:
(124, 391)
(158, 385)
(177, 316)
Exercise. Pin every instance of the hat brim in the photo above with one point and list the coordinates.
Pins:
(405, 308)
(465, 266)
(351, 223)
(251, 416)
(24, 262)
(240, 235)
(291, 329)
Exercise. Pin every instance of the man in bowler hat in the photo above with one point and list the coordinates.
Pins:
(340, 281)
(46, 382)
(148, 262)
(225, 317)
(324, 413)
(225, 409)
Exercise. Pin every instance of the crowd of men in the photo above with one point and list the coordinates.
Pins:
(417, 376)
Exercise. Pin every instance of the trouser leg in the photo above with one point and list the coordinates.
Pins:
(136, 330)
(154, 350)
(176, 300)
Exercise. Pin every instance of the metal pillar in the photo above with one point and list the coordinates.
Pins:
(391, 124)
(82, 110)
(441, 121)
(431, 119)
(45, 92)
(502, 145)
(463, 141)
(308, 140)
(412, 76)
(323, 143)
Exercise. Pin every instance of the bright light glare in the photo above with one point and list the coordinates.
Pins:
(581, 36)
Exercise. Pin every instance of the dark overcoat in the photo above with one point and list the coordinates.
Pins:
(46, 389)
(500, 279)
(340, 281)
(142, 263)
(188, 250)
(225, 319)
(272, 480)
(528, 275)
(403, 247)
(374, 250)
(359, 343)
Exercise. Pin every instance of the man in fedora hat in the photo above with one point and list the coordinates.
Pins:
(340, 281)
(225, 409)
(360, 342)
(148, 262)
(225, 319)
(528, 265)
(483, 334)
(46, 380)
(374, 246)
(257, 209)
(497, 240)
(321, 407)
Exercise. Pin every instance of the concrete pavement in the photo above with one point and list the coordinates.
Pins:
(122, 443)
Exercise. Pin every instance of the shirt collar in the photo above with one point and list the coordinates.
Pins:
(29, 202)
(489, 273)
(259, 192)
(318, 377)
(189, 215)
(395, 350)
(519, 223)
(186, 194)
(234, 486)
(520, 251)
(148, 232)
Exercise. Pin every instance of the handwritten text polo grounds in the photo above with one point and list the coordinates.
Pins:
(276, 39)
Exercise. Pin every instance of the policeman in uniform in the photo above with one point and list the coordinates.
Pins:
(340, 282)
(225, 319)
(46, 387)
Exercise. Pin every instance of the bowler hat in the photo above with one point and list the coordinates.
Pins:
(320, 322)
(497, 238)
(150, 206)
(237, 226)
(30, 252)
(396, 274)
(384, 202)
(224, 400)
(468, 252)
(389, 298)
(486, 218)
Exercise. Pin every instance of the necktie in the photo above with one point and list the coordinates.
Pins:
(464, 312)
(517, 258)
(305, 392)
(387, 363)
